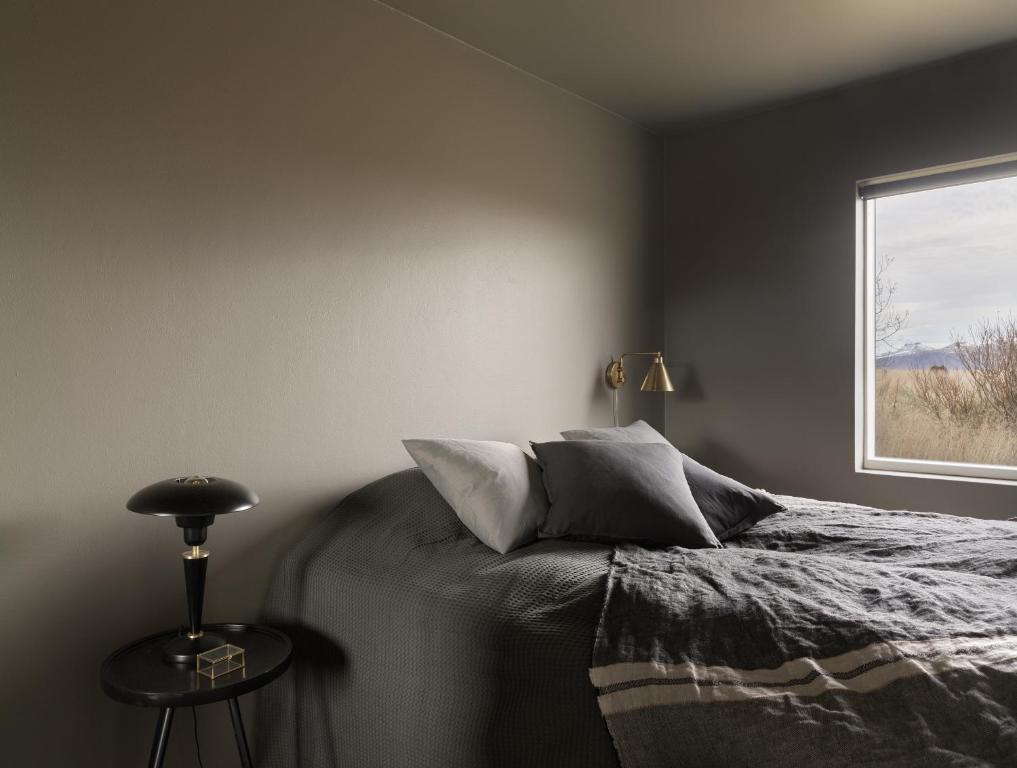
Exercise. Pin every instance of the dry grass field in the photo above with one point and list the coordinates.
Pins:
(937, 416)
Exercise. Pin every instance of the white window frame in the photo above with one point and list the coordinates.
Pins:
(867, 191)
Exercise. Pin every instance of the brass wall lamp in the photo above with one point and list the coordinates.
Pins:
(656, 380)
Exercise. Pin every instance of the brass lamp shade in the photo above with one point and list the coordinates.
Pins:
(657, 379)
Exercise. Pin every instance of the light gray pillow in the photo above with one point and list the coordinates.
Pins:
(636, 432)
(494, 488)
(617, 491)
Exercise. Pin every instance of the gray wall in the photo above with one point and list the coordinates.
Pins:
(761, 273)
(267, 242)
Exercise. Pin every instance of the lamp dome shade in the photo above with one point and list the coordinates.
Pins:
(196, 496)
(657, 379)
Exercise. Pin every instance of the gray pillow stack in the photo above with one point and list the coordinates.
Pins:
(605, 483)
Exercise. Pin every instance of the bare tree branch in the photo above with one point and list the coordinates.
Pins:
(943, 394)
(991, 361)
(888, 320)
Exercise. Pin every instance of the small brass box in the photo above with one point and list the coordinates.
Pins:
(220, 661)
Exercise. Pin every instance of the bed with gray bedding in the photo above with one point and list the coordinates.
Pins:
(828, 634)
(416, 645)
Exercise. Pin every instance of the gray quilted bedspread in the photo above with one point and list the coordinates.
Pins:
(418, 646)
(828, 635)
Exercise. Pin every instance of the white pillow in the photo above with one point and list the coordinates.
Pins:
(494, 488)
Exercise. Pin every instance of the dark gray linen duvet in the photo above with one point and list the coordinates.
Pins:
(829, 634)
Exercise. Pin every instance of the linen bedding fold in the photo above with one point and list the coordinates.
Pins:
(830, 634)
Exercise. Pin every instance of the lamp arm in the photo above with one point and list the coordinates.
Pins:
(615, 373)
(652, 354)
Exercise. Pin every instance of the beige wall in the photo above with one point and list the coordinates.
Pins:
(267, 242)
(761, 291)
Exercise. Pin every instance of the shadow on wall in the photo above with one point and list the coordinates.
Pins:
(598, 396)
(688, 388)
(318, 665)
(238, 586)
(317, 670)
(719, 456)
(18, 536)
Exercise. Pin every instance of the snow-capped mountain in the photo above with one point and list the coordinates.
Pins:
(920, 356)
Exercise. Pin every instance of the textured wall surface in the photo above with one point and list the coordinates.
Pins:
(266, 242)
(761, 290)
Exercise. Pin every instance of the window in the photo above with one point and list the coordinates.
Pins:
(937, 321)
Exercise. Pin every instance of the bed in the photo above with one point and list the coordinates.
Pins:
(418, 646)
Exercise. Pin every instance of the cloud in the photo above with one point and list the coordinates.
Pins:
(954, 254)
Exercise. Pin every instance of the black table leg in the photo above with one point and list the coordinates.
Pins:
(162, 732)
(238, 731)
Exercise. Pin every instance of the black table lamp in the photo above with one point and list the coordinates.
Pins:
(194, 502)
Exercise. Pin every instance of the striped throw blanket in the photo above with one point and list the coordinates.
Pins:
(829, 635)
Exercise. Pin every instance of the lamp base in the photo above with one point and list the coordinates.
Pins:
(184, 650)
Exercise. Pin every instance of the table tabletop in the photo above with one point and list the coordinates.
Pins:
(137, 673)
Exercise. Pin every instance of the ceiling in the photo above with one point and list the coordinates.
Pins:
(666, 63)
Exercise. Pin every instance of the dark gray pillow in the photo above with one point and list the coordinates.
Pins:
(636, 432)
(728, 506)
(611, 491)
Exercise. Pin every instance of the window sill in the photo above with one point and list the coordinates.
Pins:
(914, 475)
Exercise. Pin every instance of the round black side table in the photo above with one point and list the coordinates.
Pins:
(137, 674)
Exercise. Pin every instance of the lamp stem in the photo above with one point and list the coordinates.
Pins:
(195, 568)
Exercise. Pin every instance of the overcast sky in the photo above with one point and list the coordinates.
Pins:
(955, 257)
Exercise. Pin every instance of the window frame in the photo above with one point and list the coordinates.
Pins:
(867, 191)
